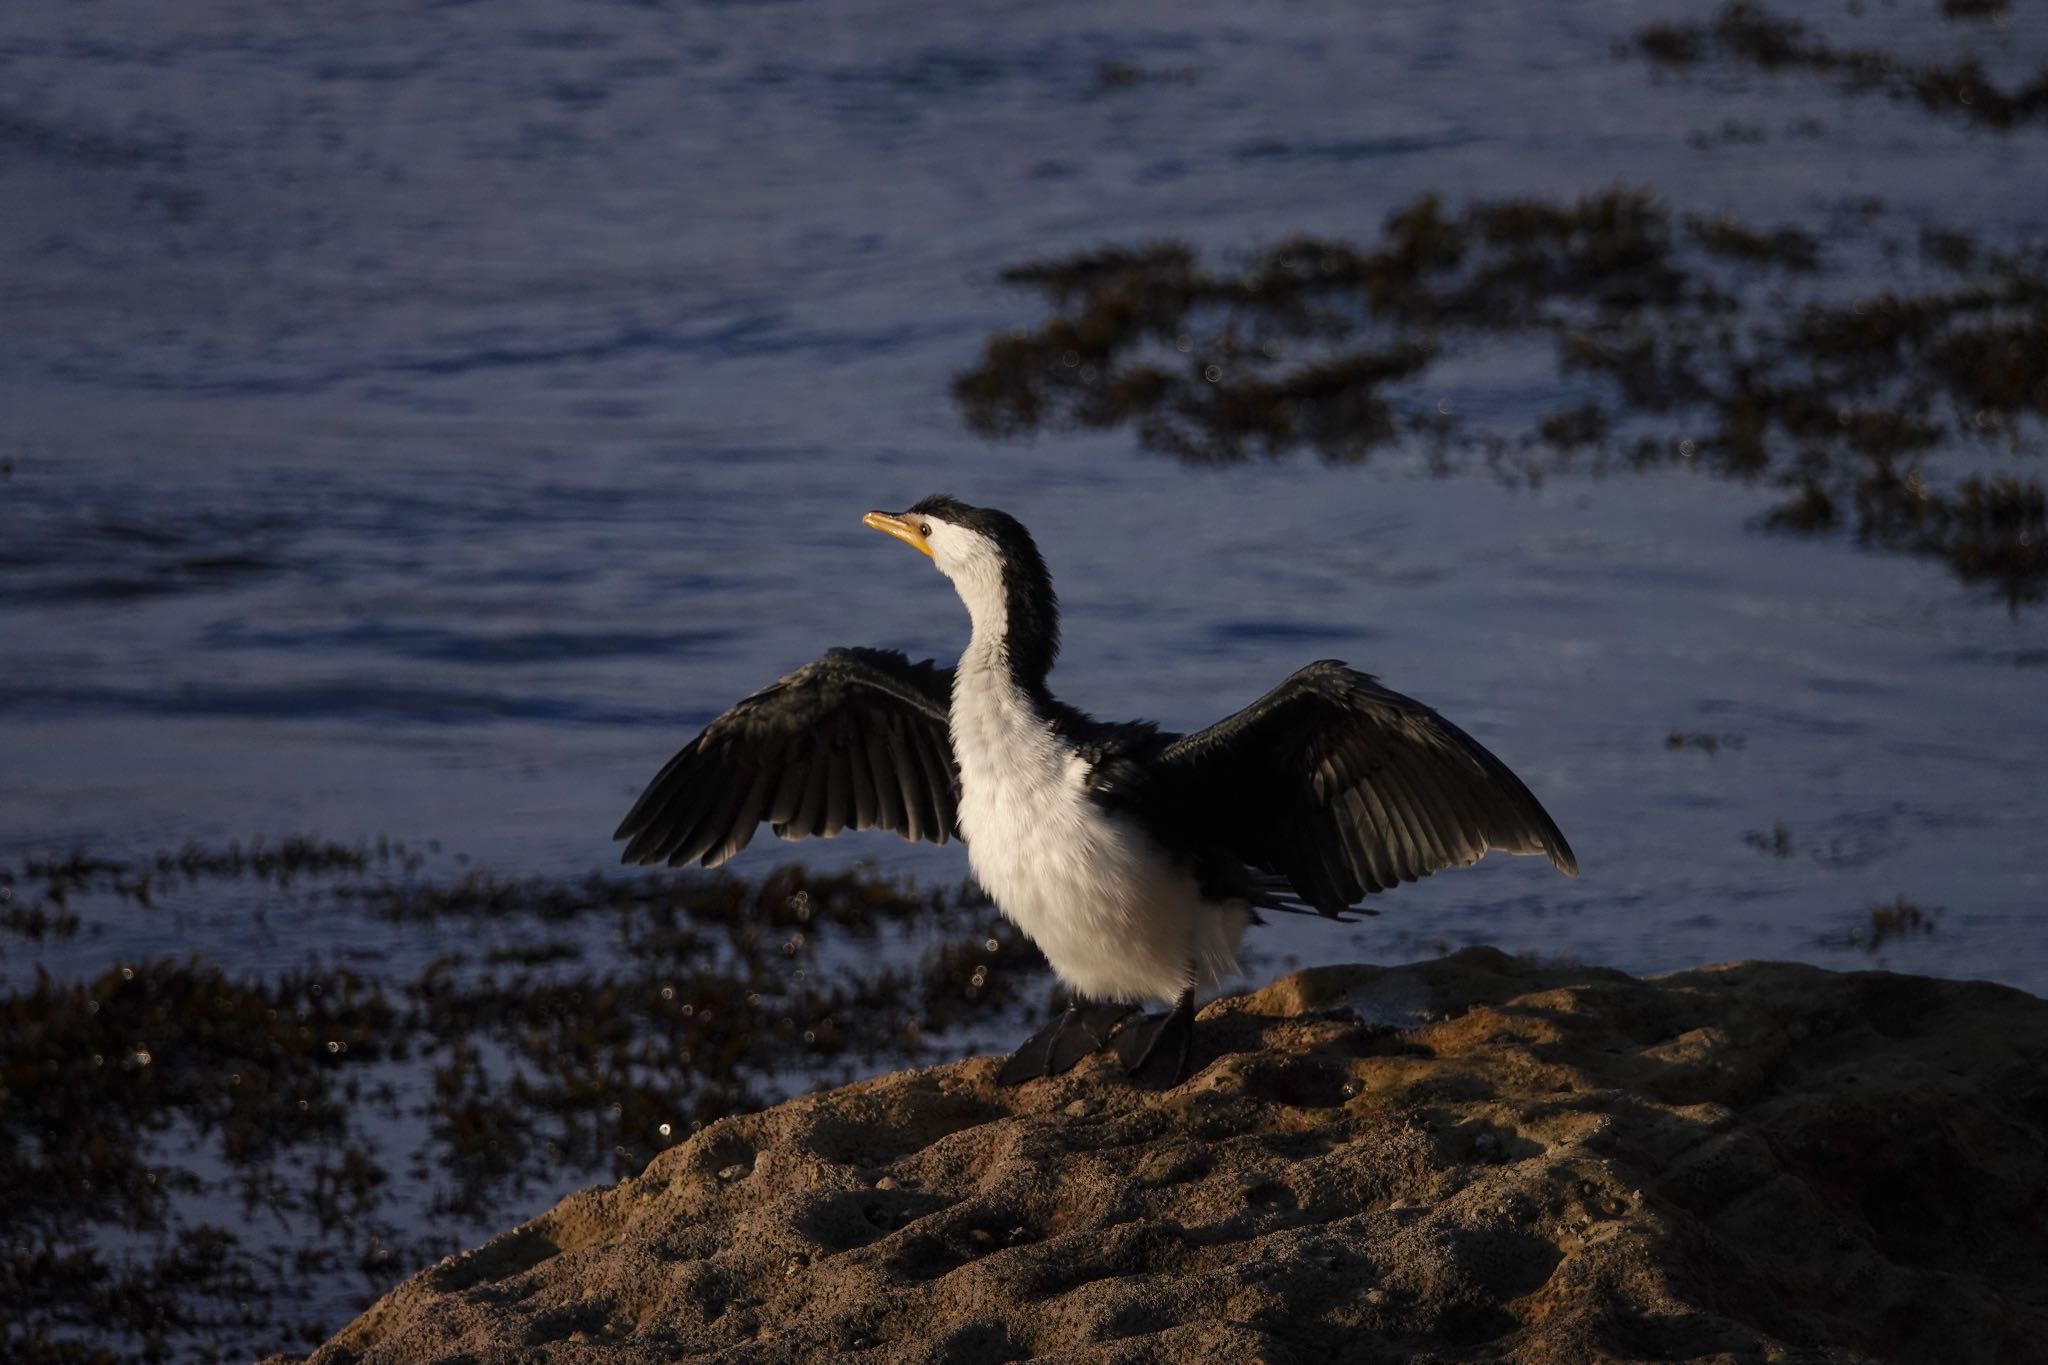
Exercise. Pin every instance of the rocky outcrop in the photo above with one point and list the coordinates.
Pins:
(1477, 1158)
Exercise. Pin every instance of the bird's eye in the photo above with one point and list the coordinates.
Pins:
(924, 528)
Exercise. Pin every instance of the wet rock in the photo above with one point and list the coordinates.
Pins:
(1523, 1160)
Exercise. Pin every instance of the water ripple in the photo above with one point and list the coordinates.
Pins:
(340, 699)
(456, 646)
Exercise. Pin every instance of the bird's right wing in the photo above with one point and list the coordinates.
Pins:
(1342, 786)
(855, 740)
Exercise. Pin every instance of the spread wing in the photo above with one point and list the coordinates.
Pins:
(1343, 787)
(855, 740)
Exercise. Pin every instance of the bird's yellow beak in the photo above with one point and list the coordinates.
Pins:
(903, 529)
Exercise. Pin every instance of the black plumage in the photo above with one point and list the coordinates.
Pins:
(1344, 787)
(855, 740)
(1330, 788)
(1332, 783)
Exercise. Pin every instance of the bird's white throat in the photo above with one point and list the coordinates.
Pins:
(975, 566)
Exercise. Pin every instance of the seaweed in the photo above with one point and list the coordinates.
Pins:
(584, 1024)
(1691, 335)
(1749, 34)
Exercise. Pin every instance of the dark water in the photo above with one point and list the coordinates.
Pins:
(417, 420)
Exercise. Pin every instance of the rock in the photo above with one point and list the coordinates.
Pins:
(1472, 1158)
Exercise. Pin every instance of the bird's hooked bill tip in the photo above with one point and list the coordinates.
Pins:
(902, 528)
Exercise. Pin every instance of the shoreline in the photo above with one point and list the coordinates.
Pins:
(1468, 1158)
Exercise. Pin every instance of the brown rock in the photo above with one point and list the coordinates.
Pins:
(1477, 1158)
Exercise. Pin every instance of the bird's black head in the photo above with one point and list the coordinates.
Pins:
(997, 570)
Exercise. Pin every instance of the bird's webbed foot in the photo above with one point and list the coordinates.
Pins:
(1154, 1050)
(1073, 1033)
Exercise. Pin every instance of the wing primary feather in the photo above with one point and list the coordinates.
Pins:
(1319, 856)
(789, 792)
(746, 819)
(1333, 890)
(925, 785)
(768, 762)
(1459, 842)
(862, 782)
(711, 830)
(1463, 787)
(920, 794)
(1376, 833)
(1350, 885)
(1440, 844)
(1348, 818)
(1379, 834)
(1405, 838)
(888, 792)
(838, 810)
(810, 816)
(938, 774)
(658, 792)
(910, 784)
(693, 791)
(1484, 806)
(1481, 812)
(1539, 833)
(1558, 849)
(1445, 829)
(641, 841)
(1341, 769)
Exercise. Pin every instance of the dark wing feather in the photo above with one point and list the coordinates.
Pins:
(855, 740)
(1343, 787)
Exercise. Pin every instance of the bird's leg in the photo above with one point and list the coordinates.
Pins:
(1154, 1050)
(1073, 1033)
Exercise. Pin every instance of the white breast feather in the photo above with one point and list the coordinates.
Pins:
(1113, 915)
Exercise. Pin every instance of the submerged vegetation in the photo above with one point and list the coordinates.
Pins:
(483, 1045)
(1754, 36)
(1896, 413)
(1902, 919)
(1696, 340)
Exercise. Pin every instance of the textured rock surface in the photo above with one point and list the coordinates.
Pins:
(1478, 1158)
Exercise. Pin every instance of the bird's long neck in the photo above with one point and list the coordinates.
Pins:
(1015, 620)
(1011, 762)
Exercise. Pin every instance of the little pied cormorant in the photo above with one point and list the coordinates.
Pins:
(1134, 858)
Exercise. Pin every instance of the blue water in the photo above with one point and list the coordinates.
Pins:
(418, 420)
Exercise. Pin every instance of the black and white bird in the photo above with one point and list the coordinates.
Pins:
(1134, 858)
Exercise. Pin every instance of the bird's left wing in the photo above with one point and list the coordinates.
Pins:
(1343, 787)
(855, 740)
